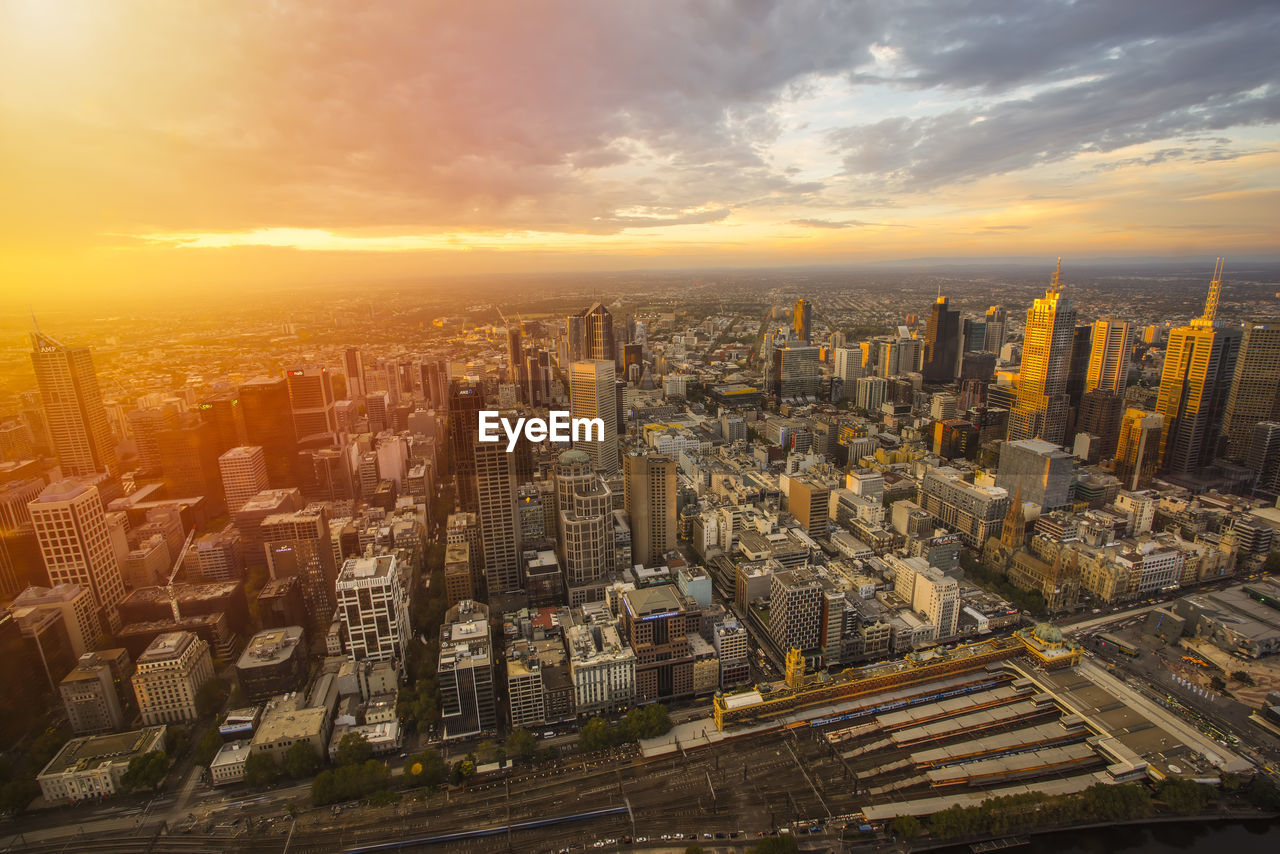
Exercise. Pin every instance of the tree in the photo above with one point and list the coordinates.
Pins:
(15, 795)
(463, 770)
(148, 769)
(595, 735)
(521, 746)
(426, 769)
(1217, 684)
(1243, 677)
(906, 827)
(260, 769)
(353, 749)
(209, 745)
(777, 845)
(300, 760)
(211, 696)
(1184, 797)
(488, 751)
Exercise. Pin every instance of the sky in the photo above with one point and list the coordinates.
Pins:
(146, 147)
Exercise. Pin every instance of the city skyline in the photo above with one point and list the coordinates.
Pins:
(394, 142)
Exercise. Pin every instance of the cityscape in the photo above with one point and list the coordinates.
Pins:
(671, 465)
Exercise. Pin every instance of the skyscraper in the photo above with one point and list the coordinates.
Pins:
(495, 476)
(315, 418)
(1138, 451)
(1264, 458)
(268, 423)
(465, 403)
(353, 364)
(802, 319)
(575, 333)
(226, 415)
(592, 395)
(1199, 364)
(1040, 409)
(435, 383)
(244, 475)
(598, 332)
(650, 493)
(189, 461)
(997, 324)
(796, 372)
(515, 359)
(1255, 388)
(71, 527)
(941, 343)
(585, 522)
(73, 408)
(1109, 356)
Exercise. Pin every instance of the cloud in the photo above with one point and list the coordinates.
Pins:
(845, 223)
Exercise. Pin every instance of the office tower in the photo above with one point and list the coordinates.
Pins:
(869, 393)
(537, 377)
(226, 415)
(14, 498)
(458, 584)
(146, 425)
(650, 498)
(495, 478)
(299, 544)
(1041, 407)
(73, 410)
(1043, 472)
(515, 358)
(937, 597)
(973, 335)
(15, 441)
(1263, 458)
(1138, 448)
(170, 674)
(795, 612)
(268, 423)
(974, 512)
(1255, 388)
(942, 343)
(435, 383)
(942, 407)
(808, 500)
(353, 367)
(847, 364)
(1109, 356)
(77, 607)
(997, 325)
(1199, 364)
(464, 673)
(189, 461)
(797, 373)
(214, 557)
(1077, 371)
(590, 332)
(315, 420)
(377, 407)
(373, 607)
(658, 622)
(592, 394)
(802, 318)
(897, 356)
(465, 403)
(585, 522)
(71, 527)
(1100, 413)
(91, 692)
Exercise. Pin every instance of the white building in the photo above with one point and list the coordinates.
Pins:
(170, 674)
(244, 475)
(373, 607)
(602, 667)
(71, 527)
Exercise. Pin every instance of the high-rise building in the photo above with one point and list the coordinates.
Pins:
(1109, 356)
(585, 524)
(897, 356)
(1041, 408)
(796, 372)
(996, 327)
(1255, 388)
(973, 335)
(435, 383)
(515, 358)
(942, 343)
(79, 610)
(315, 418)
(226, 415)
(592, 395)
(169, 677)
(597, 334)
(849, 367)
(268, 423)
(465, 403)
(802, 320)
(299, 544)
(869, 393)
(795, 612)
(71, 527)
(1199, 364)
(496, 499)
(658, 622)
(650, 497)
(189, 461)
(808, 500)
(937, 597)
(373, 607)
(465, 672)
(1263, 458)
(1138, 448)
(353, 367)
(1100, 412)
(244, 475)
(75, 416)
(1043, 472)
(92, 692)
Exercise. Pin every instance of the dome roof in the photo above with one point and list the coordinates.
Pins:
(1048, 632)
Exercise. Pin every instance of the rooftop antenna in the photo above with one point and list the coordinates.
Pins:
(1055, 284)
(1215, 292)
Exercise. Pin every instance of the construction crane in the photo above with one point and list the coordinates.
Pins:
(177, 565)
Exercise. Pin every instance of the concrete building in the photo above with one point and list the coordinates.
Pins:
(1042, 471)
(592, 395)
(78, 609)
(95, 692)
(658, 622)
(244, 475)
(373, 606)
(274, 662)
(288, 720)
(602, 667)
(974, 512)
(169, 675)
(650, 497)
(465, 672)
(91, 767)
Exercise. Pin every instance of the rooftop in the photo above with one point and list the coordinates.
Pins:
(82, 754)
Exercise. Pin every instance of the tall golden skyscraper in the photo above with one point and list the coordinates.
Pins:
(1040, 408)
(1109, 357)
(1138, 451)
(73, 408)
(1198, 367)
(801, 318)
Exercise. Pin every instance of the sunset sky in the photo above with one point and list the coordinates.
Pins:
(163, 144)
